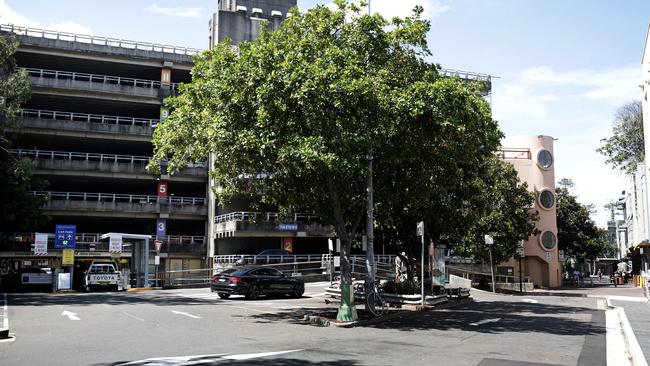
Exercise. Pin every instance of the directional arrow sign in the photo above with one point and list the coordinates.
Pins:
(186, 314)
(530, 301)
(70, 315)
(485, 321)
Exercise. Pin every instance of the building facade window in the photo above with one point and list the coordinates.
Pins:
(548, 240)
(546, 199)
(544, 159)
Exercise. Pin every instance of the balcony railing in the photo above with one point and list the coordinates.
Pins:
(120, 198)
(91, 118)
(466, 75)
(92, 157)
(96, 78)
(97, 40)
(515, 154)
(79, 156)
(263, 216)
(90, 242)
(27, 238)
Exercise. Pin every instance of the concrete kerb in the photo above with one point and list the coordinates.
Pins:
(408, 309)
(634, 354)
(133, 289)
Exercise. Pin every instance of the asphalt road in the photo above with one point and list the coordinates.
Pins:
(196, 327)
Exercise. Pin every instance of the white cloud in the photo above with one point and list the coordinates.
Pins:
(9, 16)
(404, 8)
(530, 93)
(180, 11)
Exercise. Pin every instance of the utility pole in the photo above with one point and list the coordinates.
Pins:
(370, 236)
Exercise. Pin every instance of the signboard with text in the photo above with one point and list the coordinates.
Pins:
(68, 257)
(65, 236)
(40, 244)
(115, 243)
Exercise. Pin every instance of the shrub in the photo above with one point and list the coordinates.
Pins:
(408, 287)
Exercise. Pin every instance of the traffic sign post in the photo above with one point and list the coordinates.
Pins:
(420, 232)
(489, 241)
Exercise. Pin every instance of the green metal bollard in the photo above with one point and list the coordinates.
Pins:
(347, 310)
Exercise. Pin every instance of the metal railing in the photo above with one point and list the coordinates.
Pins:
(515, 153)
(92, 118)
(97, 40)
(119, 198)
(240, 259)
(79, 156)
(263, 216)
(465, 75)
(28, 238)
(96, 78)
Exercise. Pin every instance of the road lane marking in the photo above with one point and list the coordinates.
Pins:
(186, 314)
(258, 355)
(530, 301)
(132, 316)
(485, 321)
(70, 315)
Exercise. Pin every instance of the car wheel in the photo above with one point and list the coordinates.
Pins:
(297, 291)
(224, 295)
(253, 292)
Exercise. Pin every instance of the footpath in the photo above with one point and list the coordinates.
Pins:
(634, 304)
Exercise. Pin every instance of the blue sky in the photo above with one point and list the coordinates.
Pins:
(563, 66)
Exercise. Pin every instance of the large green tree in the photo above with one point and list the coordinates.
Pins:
(19, 209)
(625, 148)
(293, 117)
(577, 233)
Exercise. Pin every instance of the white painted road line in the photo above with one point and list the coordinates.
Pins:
(258, 355)
(485, 321)
(203, 359)
(186, 314)
(132, 316)
(70, 315)
(530, 301)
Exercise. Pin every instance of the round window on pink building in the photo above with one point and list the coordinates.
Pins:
(548, 240)
(545, 159)
(546, 199)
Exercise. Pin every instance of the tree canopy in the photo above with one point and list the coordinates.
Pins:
(577, 233)
(625, 148)
(293, 117)
(19, 209)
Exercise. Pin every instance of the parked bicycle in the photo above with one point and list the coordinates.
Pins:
(375, 300)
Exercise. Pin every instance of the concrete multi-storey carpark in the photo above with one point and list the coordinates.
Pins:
(87, 128)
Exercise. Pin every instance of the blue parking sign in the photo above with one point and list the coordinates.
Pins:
(65, 236)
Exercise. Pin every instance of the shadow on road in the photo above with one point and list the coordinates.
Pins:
(512, 317)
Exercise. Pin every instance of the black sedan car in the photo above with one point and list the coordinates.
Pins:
(253, 281)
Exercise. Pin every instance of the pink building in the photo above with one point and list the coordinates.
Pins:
(532, 157)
